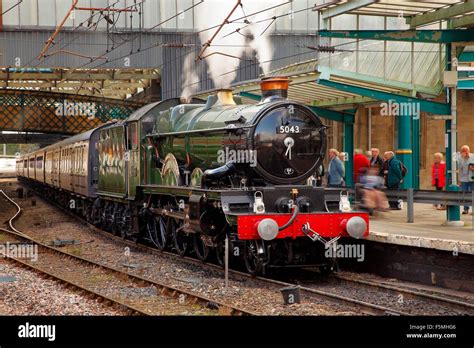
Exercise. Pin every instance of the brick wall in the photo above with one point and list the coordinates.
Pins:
(432, 132)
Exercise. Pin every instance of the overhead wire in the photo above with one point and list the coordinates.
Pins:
(26, 66)
(192, 34)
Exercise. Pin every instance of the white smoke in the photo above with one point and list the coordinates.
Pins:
(261, 28)
(223, 57)
(190, 77)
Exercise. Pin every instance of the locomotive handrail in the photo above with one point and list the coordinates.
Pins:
(229, 128)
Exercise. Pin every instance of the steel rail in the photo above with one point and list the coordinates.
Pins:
(130, 309)
(433, 297)
(164, 289)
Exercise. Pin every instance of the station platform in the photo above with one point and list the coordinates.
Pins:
(427, 231)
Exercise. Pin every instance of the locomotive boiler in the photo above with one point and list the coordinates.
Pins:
(186, 176)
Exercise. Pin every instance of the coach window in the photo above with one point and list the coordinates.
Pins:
(69, 166)
(74, 160)
(39, 162)
(79, 159)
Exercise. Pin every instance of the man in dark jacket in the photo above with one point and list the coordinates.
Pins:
(393, 172)
(376, 160)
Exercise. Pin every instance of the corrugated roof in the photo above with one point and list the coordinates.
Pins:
(397, 8)
(110, 83)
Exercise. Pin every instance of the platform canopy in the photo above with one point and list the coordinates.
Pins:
(109, 83)
(417, 12)
(306, 89)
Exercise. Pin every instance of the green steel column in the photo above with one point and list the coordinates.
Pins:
(405, 151)
(416, 151)
(453, 212)
(349, 148)
(447, 129)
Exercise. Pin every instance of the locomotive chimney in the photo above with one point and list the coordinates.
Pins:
(274, 88)
(225, 97)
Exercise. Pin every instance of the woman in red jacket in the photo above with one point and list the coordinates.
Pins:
(438, 175)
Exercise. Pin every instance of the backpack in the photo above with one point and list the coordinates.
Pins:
(403, 169)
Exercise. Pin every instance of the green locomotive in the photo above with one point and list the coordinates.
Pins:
(186, 176)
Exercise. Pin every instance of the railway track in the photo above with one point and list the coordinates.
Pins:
(364, 307)
(427, 294)
(356, 305)
(312, 291)
(48, 255)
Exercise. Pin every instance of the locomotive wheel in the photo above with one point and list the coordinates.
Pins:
(96, 216)
(158, 232)
(88, 214)
(125, 221)
(109, 217)
(253, 261)
(118, 223)
(200, 248)
(180, 239)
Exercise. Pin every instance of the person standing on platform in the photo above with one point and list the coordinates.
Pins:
(376, 160)
(335, 169)
(393, 171)
(361, 163)
(392, 174)
(464, 158)
(342, 157)
(438, 175)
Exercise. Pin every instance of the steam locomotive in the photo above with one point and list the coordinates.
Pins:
(188, 176)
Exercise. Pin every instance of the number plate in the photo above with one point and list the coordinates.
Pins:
(288, 130)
